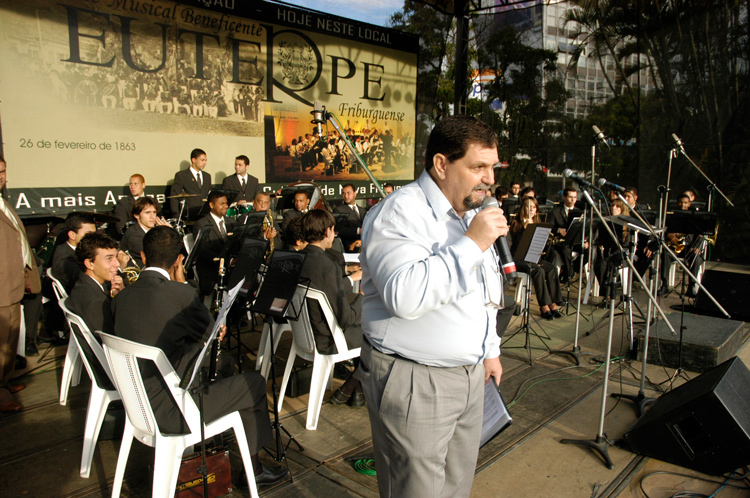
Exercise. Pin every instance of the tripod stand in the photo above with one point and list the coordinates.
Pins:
(526, 327)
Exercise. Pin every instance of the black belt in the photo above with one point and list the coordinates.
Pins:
(392, 355)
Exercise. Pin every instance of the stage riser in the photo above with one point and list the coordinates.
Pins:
(702, 425)
(730, 289)
(707, 342)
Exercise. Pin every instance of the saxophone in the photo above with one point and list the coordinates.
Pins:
(268, 223)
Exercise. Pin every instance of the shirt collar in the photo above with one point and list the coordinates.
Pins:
(435, 197)
(95, 281)
(216, 219)
(164, 273)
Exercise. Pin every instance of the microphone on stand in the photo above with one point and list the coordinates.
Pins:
(599, 135)
(568, 173)
(604, 183)
(318, 118)
(501, 244)
(678, 144)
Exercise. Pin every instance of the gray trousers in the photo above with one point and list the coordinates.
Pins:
(426, 423)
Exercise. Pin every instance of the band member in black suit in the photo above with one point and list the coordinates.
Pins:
(326, 276)
(191, 181)
(562, 216)
(144, 212)
(350, 230)
(91, 297)
(262, 204)
(124, 208)
(217, 225)
(64, 262)
(242, 182)
(161, 310)
(301, 205)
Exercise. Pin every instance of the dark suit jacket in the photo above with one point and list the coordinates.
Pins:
(289, 215)
(325, 276)
(207, 268)
(348, 228)
(65, 266)
(91, 303)
(124, 212)
(184, 181)
(132, 241)
(232, 182)
(559, 220)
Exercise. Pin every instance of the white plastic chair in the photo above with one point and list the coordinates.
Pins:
(103, 390)
(122, 356)
(72, 368)
(304, 347)
(263, 361)
(21, 349)
(189, 242)
(521, 283)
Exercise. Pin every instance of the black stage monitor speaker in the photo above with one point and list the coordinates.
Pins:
(730, 289)
(702, 425)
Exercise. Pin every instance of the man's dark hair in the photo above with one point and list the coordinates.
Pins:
(142, 203)
(683, 196)
(568, 189)
(385, 185)
(90, 244)
(453, 135)
(632, 190)
(525, 191)
(501, 192)
(197, 153)
(350, 185)
(2, 159)
(293, 232)
(315, 223)
(75, 221)
(515, 183)
(303, 192)
(244, 159)
(161, 246)
(214, 195)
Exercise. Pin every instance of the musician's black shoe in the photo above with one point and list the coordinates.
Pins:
(357, 399)
(547, 315)
(339, 398)
(20, 362)
(31, 349)
(556, 313)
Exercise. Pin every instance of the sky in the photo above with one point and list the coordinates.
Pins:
(371, 11)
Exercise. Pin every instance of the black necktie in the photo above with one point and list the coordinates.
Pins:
(198, 179)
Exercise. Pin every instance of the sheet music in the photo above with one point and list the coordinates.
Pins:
(221, 319)
(536, 248)
(496, 416)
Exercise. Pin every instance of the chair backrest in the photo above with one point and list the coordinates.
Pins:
(57, 286)
(93, 355)
(302, 328)
(122, 356)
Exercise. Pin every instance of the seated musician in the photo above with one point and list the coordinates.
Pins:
(293, 237)
(124, 207)
(262, 204)
(163, 311)
(543, 274)
(326, 276)
(217, 226)
(91, 297)
(609, 257)
(301, 205)
(562, 216)
(687, 247)
(64, 262)
(131, 245)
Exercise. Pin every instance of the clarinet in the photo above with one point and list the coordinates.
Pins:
(218, 301)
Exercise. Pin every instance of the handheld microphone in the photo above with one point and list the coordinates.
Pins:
(568, 173)
(599, 135)
(678, 144)
(501, 244)
(318, 118)
(604, 183)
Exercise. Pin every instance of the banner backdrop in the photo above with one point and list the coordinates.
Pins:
(92, 91)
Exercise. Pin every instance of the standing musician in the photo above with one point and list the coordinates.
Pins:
(218, 226)
(242, 182)
(543, 274)
(144, 212)
(193, 181)
(124, 207)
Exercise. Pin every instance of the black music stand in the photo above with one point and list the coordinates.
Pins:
(530, 250)
(276, 299)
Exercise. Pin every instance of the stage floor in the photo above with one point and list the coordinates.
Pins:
(550, 400)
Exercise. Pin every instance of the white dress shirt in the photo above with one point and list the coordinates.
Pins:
(426, 284)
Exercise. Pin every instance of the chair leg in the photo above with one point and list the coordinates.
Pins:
(71, 371)
(122, 459)
(167, 460)
(322, 368)
(239, 433)
(287, 373)
(99, 400)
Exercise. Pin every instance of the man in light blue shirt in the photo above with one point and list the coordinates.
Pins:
(432, 287)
